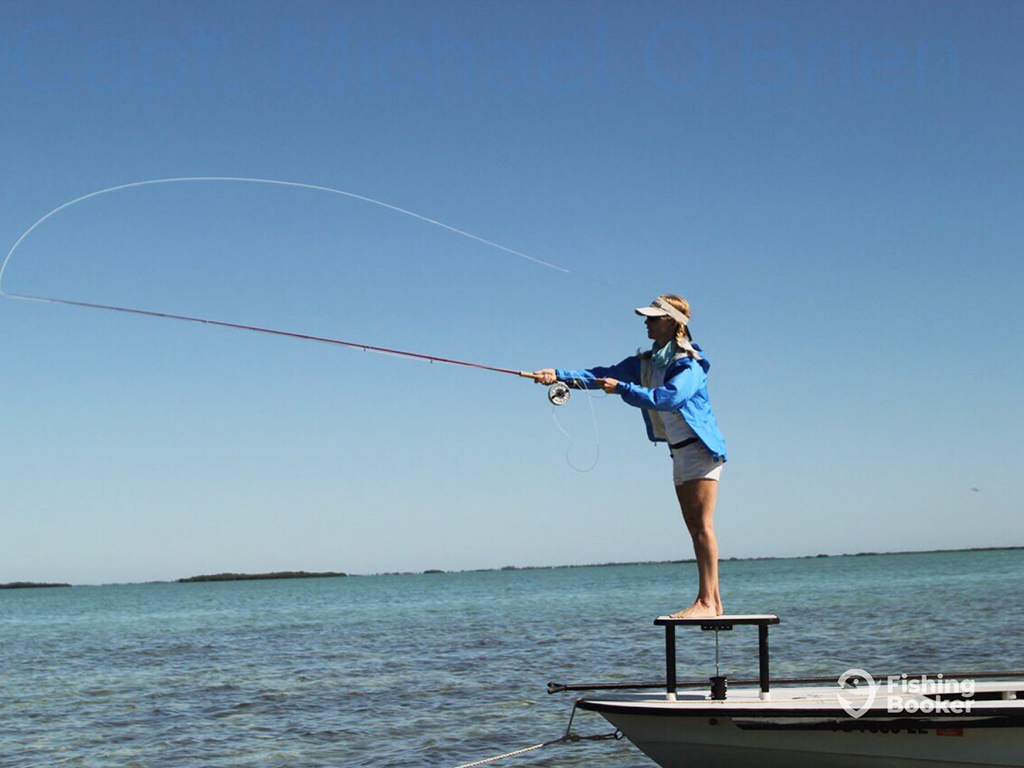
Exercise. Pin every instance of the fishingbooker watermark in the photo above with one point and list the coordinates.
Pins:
(906, 694)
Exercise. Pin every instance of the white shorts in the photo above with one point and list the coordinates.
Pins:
(693, 462)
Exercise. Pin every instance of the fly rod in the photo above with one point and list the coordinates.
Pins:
(558, 393)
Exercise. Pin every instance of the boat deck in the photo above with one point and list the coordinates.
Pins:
(988, 696)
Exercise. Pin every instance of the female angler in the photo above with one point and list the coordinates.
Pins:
(669, 384)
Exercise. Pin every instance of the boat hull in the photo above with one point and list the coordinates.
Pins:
(687, 735)
(691, 742)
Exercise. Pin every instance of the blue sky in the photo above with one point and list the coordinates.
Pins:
(836, 188)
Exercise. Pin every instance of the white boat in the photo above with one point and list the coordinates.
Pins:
(904, 721)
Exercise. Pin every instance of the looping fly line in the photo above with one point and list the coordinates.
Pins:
(276, 182)
(258, 329)
(559, 395)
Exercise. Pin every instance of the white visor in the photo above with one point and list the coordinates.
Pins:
(651, 311)
(660, 308)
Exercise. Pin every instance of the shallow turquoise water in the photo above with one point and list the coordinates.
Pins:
(441, 669)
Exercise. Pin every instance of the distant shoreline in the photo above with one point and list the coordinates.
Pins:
(262, 576)
(30, 585)
(691, 560)
(435, 571)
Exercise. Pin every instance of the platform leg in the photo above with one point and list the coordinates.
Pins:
(762, 654)
(670, 661)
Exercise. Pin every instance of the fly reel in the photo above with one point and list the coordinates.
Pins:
(558, 393)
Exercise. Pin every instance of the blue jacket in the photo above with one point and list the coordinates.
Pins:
(685, 391)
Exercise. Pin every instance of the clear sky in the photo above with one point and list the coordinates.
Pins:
(836, 187)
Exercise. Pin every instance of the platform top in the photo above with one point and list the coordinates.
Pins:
(723, 620)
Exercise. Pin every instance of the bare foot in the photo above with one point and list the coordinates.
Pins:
(698, 610)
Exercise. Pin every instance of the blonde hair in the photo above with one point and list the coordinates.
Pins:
(682, 332)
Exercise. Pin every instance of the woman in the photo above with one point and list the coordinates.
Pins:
(669, 384)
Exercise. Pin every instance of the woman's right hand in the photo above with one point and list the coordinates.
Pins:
(544, 376)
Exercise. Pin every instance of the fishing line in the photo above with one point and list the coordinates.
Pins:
(245, 179)
(560, 397)
(225, 324)
(556, 395)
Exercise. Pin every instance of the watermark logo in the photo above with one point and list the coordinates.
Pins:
(905, 694)
(847, 679)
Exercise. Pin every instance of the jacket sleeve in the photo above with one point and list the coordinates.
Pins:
(669, 397)
(626, 370)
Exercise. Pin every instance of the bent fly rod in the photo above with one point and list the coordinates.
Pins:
(558, 393)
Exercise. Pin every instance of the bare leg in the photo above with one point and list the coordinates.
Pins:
(697, 503)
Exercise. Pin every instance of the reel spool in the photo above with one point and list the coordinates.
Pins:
(558, 393)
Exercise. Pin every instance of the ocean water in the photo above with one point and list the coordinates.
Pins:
(441, 669)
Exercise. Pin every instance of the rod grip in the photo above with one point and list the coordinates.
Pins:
(529, 375)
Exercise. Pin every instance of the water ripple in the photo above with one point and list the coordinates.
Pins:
(440, 669)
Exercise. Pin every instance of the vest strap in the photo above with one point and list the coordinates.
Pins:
(683, 444)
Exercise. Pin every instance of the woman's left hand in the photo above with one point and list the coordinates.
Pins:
(609, 385)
